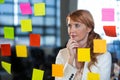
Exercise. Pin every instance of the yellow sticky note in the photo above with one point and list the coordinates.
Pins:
(99, 46)
(93, 76)
(9, 32)
(83, 54)
(6, 66)
(37, 74)
(21, 51)
(26, 25)
(39, 9)
(57, 70)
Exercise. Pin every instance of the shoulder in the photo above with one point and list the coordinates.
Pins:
(63, 53)
(105, 55)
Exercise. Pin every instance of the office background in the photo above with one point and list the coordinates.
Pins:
(53, 31)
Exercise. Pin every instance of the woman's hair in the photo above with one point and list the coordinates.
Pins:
(85, 17)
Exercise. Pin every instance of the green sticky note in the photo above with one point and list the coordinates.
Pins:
(9, 32)
(93, 76)
(2, 1)
(83, 54)
(21, 50)
(37, 74)
(39, 9)
(26, 25)
(6, 66)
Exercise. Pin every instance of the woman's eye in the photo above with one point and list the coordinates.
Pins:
(77, 25)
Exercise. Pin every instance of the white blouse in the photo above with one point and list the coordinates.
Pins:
(103, 67)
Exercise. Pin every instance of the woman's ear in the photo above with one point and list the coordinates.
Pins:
(88, 29)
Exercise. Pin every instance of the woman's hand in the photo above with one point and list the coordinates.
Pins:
(71, 46)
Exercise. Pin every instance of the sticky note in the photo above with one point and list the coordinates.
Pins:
(93, 76)
(35, 40)
(5, 50)
(21, 50)
(2, 1)
(99, 46)
(107, 14)
(37, 74)
(26, 25)
(57, 70)
(9, 32)
(25, 8)
(39, 9)
(110, 31)
(6, 66)
(83, 54)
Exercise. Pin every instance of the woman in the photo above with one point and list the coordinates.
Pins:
(81, 32)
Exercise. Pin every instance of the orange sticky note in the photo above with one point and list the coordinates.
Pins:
(57, 70)
(93, 76)
(5, 50)
(39, 9)
(6, 66)
(83, 54)
(21, 50)
(37, 74)
(110, 31)
(99, 46)
(35, 40)
(26, 25)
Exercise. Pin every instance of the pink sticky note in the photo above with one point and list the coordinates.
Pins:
(107, 14)
(25, 8)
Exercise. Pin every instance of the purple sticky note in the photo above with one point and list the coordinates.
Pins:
(25, 8)
(107, 14)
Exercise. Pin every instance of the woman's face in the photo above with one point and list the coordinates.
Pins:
(77, 30)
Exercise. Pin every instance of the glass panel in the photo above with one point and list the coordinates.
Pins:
(50, 2)
(36, 1)
(1, 30)
(6, 19)
(49, 21)
(21, 18)
(22, 40)
(19, 32)
(50, 31)
(6, 8)
(37, 21)
(6, 41)
(50, 11)
(19, 1)
(38, 30)
(9, 0)
(50, 40)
